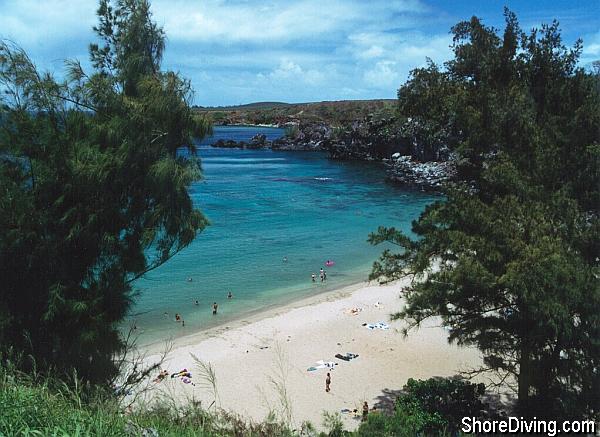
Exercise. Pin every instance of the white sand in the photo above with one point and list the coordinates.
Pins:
(246, 354)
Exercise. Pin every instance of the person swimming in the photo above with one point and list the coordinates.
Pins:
(229, 295)
(285, 259)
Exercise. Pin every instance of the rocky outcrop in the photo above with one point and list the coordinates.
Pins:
(368, 139)
(305, 137)
(411, 163)
(427, 176)
(258, 141)
(314, 136)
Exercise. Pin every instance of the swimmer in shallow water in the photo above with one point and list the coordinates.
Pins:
(229, 295)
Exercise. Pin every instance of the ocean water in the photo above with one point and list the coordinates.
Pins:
(263, 206)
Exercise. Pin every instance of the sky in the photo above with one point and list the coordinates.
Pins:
(242, 51)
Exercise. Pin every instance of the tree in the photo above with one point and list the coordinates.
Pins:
(509, 259)
(94, 173)
(431, 407)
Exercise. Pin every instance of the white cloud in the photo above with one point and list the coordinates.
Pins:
(221, 22)
(383, 75)
(402, 47)
(237, 51)
(372, 52)
(29, 22)
(289, 73)
(591, 46)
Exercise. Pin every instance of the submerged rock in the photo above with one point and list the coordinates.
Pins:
(228, 144)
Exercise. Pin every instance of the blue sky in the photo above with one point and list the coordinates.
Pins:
(240, 51)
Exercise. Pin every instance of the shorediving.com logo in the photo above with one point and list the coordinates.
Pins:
(523, 426)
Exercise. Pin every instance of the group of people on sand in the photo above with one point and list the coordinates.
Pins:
(322, 276)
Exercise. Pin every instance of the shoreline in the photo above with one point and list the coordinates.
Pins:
(280, 346)
(254, 315)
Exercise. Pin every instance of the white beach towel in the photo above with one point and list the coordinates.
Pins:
(321, 364)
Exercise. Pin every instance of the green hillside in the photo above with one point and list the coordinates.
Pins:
(332, 112)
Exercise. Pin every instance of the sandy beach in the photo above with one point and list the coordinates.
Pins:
(277, 347)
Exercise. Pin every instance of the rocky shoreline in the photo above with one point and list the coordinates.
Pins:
(428, 176)
(367, 140)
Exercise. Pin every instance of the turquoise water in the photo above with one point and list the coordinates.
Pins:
(264, 206)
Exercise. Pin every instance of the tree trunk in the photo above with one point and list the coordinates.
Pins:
(524, 379)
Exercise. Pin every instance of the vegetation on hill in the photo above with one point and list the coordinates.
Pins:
(340, 113)
(509, 259)
(94, 191)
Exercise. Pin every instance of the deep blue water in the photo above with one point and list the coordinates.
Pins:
(264, 206)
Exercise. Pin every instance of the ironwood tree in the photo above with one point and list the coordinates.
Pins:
(94, 177)
(509, 259)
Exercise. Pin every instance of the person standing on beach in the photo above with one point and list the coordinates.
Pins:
(215, 306)
(365, 411)
(328, 383)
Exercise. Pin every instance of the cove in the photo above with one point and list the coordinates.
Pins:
(263, 206)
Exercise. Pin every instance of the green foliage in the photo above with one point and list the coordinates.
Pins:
(334, 425)
(509, 259)
(48, 407)
(407, 421)
(443, 401)
(431, 407)
(94, 190)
